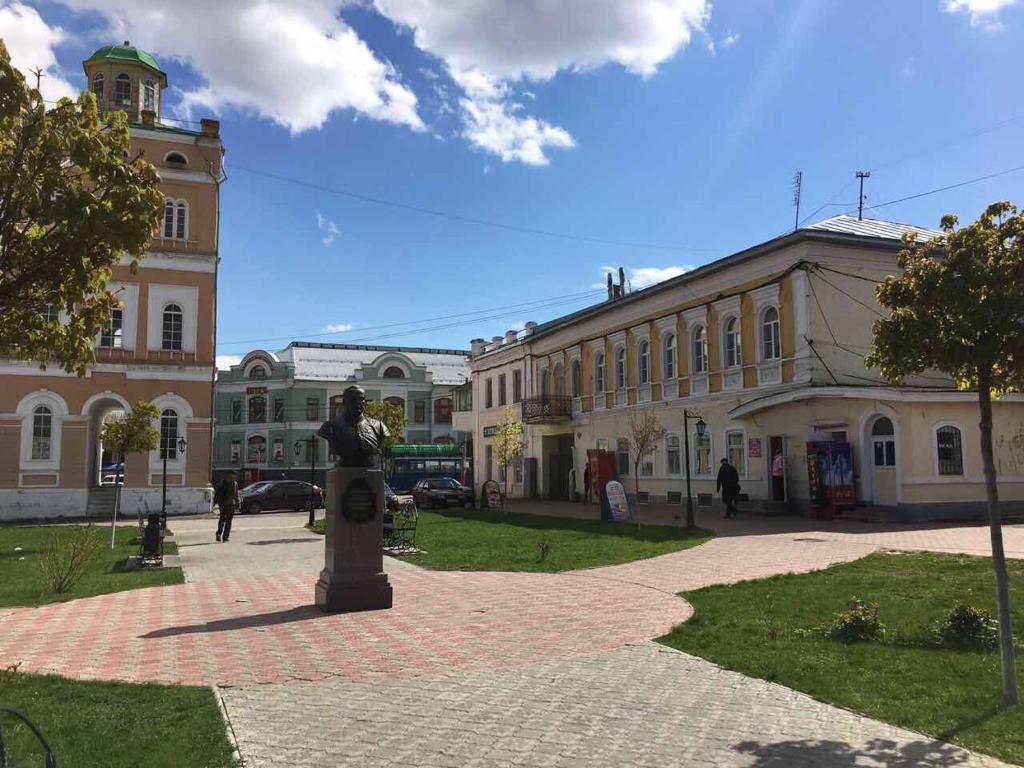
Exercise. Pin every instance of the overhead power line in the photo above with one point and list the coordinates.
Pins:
(947, 187)
(469, 219)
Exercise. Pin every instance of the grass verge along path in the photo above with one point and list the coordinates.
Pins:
(907, 680)
(118, 725)
(21, 579)
(483, 541)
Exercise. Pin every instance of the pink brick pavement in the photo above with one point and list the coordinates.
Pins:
(263, 629)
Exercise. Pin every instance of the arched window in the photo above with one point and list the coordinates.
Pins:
(149, 96)
(883, 441)
(175, 220)
(169, 435)
(123, 90)
(258, 372)
(599, 373)
(670, 356)
(176, 158)
(644, 361)
(42, 432)
(173, 322)
(257, 449)
(97, 88)
(949, 447)
(577, 379)
(733, 353)
(699, 349)
(620, 368)
(559, 383)
(393, 372)
(545, 383)
(771, 346)
(257, 409)
(443, 410)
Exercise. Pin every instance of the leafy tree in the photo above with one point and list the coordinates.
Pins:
(645, 431)
(393, 417)
(132, 433)
(959, 307)
(71, 204)
(508, 441)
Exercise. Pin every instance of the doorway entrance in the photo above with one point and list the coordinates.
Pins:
(777, 467)
(558, 465)
(883, 463)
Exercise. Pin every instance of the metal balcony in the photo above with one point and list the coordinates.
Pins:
(547, 409)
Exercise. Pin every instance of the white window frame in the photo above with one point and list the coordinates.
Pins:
(621, 363)
(643, 362)
(619, 442)
(149, 95)
(652, 453)
(170, 401)
(174, 232)
(172, 449)
(122, 77)
(742, 446)
(101, 80)
(670, 356)
(186, 297)
(935, 449)
(732, 321)
(695, 447)
(164, 338)
(58, 414)
(679, 454)
(763, 323)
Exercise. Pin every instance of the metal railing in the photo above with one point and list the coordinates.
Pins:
(547, 408)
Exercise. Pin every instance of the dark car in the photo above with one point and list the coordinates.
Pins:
(279, 494)
(442, 492)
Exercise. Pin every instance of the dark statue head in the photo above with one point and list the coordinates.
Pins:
(355, 402)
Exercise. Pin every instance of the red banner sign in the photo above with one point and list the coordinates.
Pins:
(255, 390)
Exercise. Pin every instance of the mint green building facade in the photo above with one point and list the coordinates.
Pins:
(269, 406)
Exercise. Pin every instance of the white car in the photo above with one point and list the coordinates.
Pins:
(111, 480)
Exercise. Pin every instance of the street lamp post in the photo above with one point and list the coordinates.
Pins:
(701, 426)
(164, 450)
(310, 442)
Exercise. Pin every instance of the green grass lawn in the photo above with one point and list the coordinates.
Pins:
(116, 725)
(482, 541)
(22, 583)
(954, 695)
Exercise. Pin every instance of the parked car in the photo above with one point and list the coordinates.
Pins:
(442, 492)
(279, 494)
(110, 480)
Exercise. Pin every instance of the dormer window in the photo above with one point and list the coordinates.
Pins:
(149, 96)
(123, 92)
(394, 372)
(97, 87)
(176, 159)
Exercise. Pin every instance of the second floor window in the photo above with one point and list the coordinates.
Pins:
(517, 386)
(577, 379)
(644, 362)
(733, 354)
(173, 323)
(488, 394)
(598, 373)
(670, 356)
(620, 368)
(236, 411)
(112, 336)
(279, 409)
(123, 92)
(502, 396)
(700, 350)
(443, 411)
(257, 409)
(97, 88)
(175, 225)
(771, 347)
(419, 411)
(149, 96)
(312, 408)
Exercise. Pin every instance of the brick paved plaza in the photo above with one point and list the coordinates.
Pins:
(478, 669)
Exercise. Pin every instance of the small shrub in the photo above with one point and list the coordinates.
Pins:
(859, 623)
(545, 549)
(9, 673)
(67, 553)
(769, 619)
(969, 626)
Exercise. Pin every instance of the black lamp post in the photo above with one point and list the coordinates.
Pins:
(164, 450)
(310, 442)
(701, 426)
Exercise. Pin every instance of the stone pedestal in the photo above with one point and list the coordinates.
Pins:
(353, 577)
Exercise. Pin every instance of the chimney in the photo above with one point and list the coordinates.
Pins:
(476, 347)
(210, 128)
(510, 336)
(148, 118)
(530, 328)
(496, 341)
(622, 282)
(611, 288)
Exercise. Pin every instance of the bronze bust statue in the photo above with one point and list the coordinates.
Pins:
(354, 439)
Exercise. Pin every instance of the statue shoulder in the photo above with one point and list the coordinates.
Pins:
(326, 430)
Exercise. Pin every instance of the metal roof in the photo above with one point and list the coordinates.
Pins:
(887, 230)
(339, 362)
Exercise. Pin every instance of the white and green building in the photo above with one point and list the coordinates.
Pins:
(269, 406)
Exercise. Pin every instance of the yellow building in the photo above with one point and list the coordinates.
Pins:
(766, 346)
(159, 346)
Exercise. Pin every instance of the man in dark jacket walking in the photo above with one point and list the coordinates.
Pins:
(226, 498)
(729, 484)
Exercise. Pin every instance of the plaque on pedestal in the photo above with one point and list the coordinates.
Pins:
(353, 577)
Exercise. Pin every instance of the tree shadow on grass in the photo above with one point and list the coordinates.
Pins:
(839, 754)
(298, 613)
(602, 527)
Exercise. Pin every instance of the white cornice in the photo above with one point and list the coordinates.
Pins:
(181, 262)
(180, 174)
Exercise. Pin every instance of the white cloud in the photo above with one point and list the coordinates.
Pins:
(31, 43)
(338, 327)
(983, 13)
(290, 61)
(328, 227)
(488, 44)
(640, 277)
(730, 39)
(224, 362)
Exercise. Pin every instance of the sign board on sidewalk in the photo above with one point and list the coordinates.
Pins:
(618, 505)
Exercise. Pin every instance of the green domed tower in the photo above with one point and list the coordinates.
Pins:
(126, 78)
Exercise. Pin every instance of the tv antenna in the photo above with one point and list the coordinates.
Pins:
(798, 183)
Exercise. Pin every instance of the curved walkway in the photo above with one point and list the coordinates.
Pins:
(475, 668)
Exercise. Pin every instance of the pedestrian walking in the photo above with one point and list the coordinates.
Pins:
(778, 484)
(226, 498)
(587, 490)
(729, 484)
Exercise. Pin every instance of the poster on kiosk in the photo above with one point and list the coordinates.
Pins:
(602, 469)
(830, 477)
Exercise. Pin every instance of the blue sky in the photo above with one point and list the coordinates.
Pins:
(671, 123)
